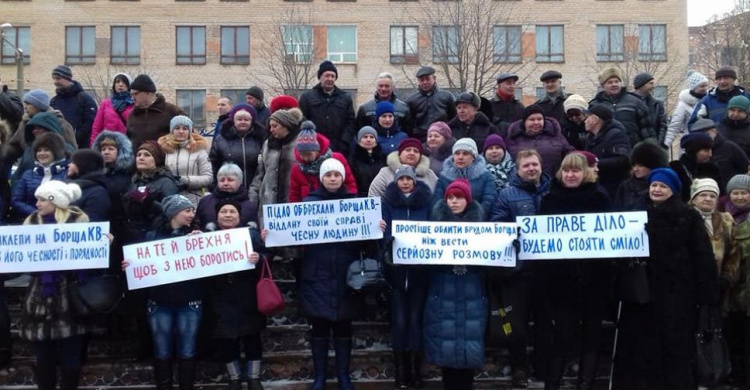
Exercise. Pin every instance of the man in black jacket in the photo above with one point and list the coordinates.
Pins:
(470, 122)
(431, 104)
(11, 110)
(607, 140)
(506, 109)
(725, 154)
(626, 108)
(644, 85)
(330, 108)
(384, 91)
(554, 95)
(78, 108)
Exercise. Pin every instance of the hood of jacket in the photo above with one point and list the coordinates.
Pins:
(125, 159)
(441, 212)
(195, 142)
(324, 143)
(420, 197)
(688, 98)
(91, 179)
(422, 168)
(47, 120)
(451, 172)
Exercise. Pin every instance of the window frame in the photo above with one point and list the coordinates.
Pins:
(404, 58)
(610, 55)
(298, 31)
(235, 58)
(342, 54)
(445, 57)
(549, 56)
(10, 58)
(192, 58)
(507, 57)
(651, 55)
(199, 121)
(124, 59)
(80, 58)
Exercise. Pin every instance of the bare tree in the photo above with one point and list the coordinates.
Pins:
(97, 81)
(725, 40)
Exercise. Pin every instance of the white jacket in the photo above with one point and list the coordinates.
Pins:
(680, 117)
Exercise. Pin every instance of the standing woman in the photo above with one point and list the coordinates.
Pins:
(239, 141)
(439, 145)
(366, 159)
(187, 157)
(578, 290)
(113, 113)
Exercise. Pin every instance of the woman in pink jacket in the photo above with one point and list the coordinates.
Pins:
(113, 113)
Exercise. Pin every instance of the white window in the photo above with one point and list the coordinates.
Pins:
(342, 43)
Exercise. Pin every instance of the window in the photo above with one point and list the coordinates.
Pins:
(652, 42)
(193, 102)
(404, 45)
(660, 92)
(191, 45)
(20, 37)
(342, 43)
(235, 45)
(550, 44)
(125, 45)
(298, 43)
(237, 95)
(610, 42)
(518, 93)
(445, 44)
(507, 44)
(80, 45)
(540, 92)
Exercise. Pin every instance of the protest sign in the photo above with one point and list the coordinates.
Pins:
(583, 236)
(59, 247)
(339, 220)
(454, 243)
(188, 257)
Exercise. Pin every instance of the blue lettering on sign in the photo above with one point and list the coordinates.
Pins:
(93, 233)
(413, 228)
(627, 243)
(566, 223)
(586, 244)
(542, 245)
(475, 254)
(418, 253)
(305, 235)
(609, 222)
(528, 225)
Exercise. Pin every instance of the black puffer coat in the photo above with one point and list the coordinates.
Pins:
(229, 146)
(365, 166)
(631, 112)
(141, 217)
(688, 170)
(736, 131)
(612, 147)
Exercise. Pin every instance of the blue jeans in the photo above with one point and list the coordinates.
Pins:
(182, 320)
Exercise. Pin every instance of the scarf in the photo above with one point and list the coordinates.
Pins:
(739, 215)
(501, 171)
(313, 168)
(697, 95)
(504, 96)
(278, 143)
(707, 220)
(121, 100)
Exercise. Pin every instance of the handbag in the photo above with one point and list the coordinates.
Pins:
(712, 358)
(632, 283)
(270, 300)
(98, 294)
(365, 274)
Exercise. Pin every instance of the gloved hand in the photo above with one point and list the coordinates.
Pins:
(139, 195)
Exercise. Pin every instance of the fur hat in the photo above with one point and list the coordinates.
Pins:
(460, 188)
(173, 204)
(442, 129)
(649, 154)
(51, 141)
(694, 142)
(228, 201)
(608, 73)
(700, 185)
(666, 176)
(641, 79)
(405, 171)
(575, 102)
(695, 79)
(288, 118)
(59, 193)
(326, 66)
(37, 98)
(180, 120)
(63, 71)
(125, 158)
(410, 142)
(493, 140)
(739, 182)
(87, 161)
(143, 83)
(332, 164)
(466, 144)
(283, 102)
(307, 139)
(153, 148)
(531, 110)
(366, 130)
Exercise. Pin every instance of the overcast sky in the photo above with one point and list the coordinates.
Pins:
(701, 10)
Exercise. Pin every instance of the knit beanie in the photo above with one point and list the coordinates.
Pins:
(493, 140)
(228, 201)
(63, 71)
(243, 107)
(37, 98)
(694, 142)
(739, 182)
(87, 161)
(52, 141)
(326, 66)
(702, 124)
(531, 110)
(307, 139)
(608, 73)
(591, 159)
(466, 144)
(726, 71)
(288, 118)
(649, 154)
(384, 107)
(740, 102)
(575, 102)
(641, 79)
(666, 176)
(46, 120)
(180, 120)
(442, 129)
(173, 204)
(700, 185)
(695, 79)
(124, 77)
(405, 171)
(153, 148)
(410, 143)
(366, 130)
(255, 92)
(59, 193)
(283, 102)
(332, 164)
(143, 83)
(459, 188)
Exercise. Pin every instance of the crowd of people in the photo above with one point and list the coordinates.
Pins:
(136, 161)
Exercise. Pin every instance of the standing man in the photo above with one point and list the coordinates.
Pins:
(151, 113)
(78, 108)
(552, 101)
(330, 108)
(11, 112)
(254, 97)
(626, 108)
(223, 106)
(430, 104)
(735, 126)
(384, 92)
(713, 106)
(606, 138)
(644, 85)
(725, 154)
(470, 122)
(506, 109)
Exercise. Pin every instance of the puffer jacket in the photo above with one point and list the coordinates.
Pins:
(455, 314)
(631, 112)
(302, 184)
(365, 167)
(505, 112)
(107, 118)
(22, 199)
(438, 156)
(388, 172)
(332, 114)
(273, 177)
(481, 180)
(612, 147)
(479, 129)
(429, 107)
(736, 131)
(152, 122)
(714, 105)
(678, 124)
(189, 162)
(11, 108)
(688, 170)
(47, 120)
(389, 139)
(17, 144)
(78, 108)
(550, 143)
(631, 195)
(94, 200)
(366, 112)
(658, 115)
(519, 199)
(205, 213)
(730, 159)
(229, 146)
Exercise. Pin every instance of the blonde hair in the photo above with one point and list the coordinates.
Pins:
(526, 153)
(577, 161)
(61, 216)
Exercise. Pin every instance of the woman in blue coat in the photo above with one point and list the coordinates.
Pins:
(406, 199)
(455, 315)
(386, 124)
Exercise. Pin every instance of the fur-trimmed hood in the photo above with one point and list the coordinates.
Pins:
(394, 163)
(125, 157)
(420, 197)
(473, 213)
(477, 168)
(687, 98)
(195, 143)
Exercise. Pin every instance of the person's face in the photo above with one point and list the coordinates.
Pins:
(141, 99)
(44, 156)
(405, 184)
(73, 170)
(37, 131)
(252, 101)
(228, 183)
(508, 86)
(572, 177)
(591, 123)
(705, 201)
(184, 217)
(740, 198)
(277, 130)
(466, 112)
(648, 87)
(595, 168)
(45, 207)
(228, 217)
(551, 85)
(534, 123)
(120, 86)
(181, 133)
(386, 120)
(736, 114)
(328, 80)
(332, 181)
(61, 82)
(223, 106)
(243, 120)
(494, 154)
(109, 154)
(702, 88)
(308, 156)
(425, 83)
(144, 161)
(435, 140)
(456, 204)
(384, 88)
(31, 110)
(612, 86)
(703, 156)
(659, 192)
(368, 142)
(576, 116)
(410, 156)
(639, 171)
(462, 158)
(530, 169)
(725, 83)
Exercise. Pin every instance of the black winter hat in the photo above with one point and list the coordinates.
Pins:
(532, 109)
(649, 154)
(223, 202)
(255, 92)
(326, 66)
(143, 83)
(695, 142)
(641, 79)
(550, 74)
(87, 161)
(51, 141)
(63, 72)
(726, 71)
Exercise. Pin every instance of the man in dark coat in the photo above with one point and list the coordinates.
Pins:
(735, 126)
(11, 110)
(77, 106)
(728, 157)
(644, 85)
(554, 95)
(506, 109)
(330, 108)
(254, 97)
(470, 122)
(151, 113)
(86, 169)
(714, 105)
(626, 108)
(607, 140)
(384, 91)
(223, 106)
(431, 104)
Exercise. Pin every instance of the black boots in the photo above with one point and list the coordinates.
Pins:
(401, 369)
(186, 374)
(163, 374)
(343, 349)
(587, 375)
(253, 375)
(414, 365)
(319, 347)
(233, 372)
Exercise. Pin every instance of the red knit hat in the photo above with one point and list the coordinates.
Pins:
(282, 102)
(459, 188)
(410, 142)
(591, 158)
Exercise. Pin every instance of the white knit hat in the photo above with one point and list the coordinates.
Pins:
(695, 79)
(466, 144)
(332, 164)
(59, 193)
(700, 185)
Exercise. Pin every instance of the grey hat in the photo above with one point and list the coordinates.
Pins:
(173, 204)
(550, 74)
(366, 130)
(180, 120)
(63, 72)
(425, 71)
(466, 144)
(470, 98)
(255, 92)
(641, 79)
(739, 182)
(702, 124)
(405, 170)
(505, 76)
(37, 98)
